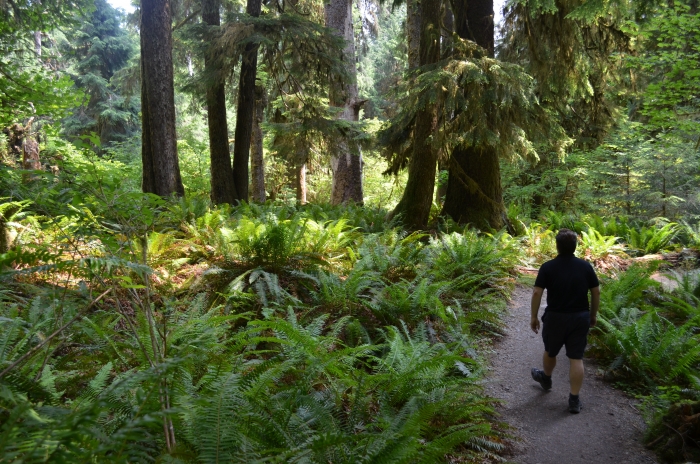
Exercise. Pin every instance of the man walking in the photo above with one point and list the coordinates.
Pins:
(566, 318)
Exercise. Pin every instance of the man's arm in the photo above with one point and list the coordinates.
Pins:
(595, 305)
(535, 308)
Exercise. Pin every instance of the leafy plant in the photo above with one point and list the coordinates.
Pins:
(539, 243)
(652, 239)
(629, 289)
(650, 348)
(595, 246)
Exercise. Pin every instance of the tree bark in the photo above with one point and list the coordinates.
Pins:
(37, 44)
(245, 110)
(301, 184)
(4, 236)
(346, 157)
(413, 22)
(223, 186)
(417, 199)
(448, 27)
(161, 171)
(474, 193)
(257, 163)
(30, 152)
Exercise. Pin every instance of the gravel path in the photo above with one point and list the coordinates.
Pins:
(608, 429)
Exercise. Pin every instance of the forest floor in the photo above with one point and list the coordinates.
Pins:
(609, 427)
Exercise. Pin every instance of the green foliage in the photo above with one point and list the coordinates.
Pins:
(539, 243)
(651, 348)
(631, 173)
(652, 239)
(650, 339)
(626, 291)
(98, 51)
(691, 234)
(595, 246)
(671, 39)
(586, 41)
(29, 86)
(493, 104)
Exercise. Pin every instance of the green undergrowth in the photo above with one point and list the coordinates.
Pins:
(139, 329)
(135, 328)
(648, 340)
(604, 239)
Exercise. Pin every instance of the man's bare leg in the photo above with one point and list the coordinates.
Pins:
(549, 363)
(575, 375)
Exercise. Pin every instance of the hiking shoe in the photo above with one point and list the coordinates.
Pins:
(574, 405)
(538, 375)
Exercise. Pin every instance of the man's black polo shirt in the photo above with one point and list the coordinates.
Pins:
(567, 280)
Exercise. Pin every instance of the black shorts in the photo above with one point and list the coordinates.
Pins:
(570, 329)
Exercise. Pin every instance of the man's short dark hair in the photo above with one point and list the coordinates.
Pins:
(566, 242)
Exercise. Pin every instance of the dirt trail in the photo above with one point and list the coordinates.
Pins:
(608, 429)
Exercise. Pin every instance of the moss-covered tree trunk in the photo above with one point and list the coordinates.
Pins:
(257, 164)
(346, 158)
(474, 194)
(245, 110)
(414, 206)
(161, 171)
(223, 186)
(4, 236)
(413, 21)
(446, 49)
(30, 152)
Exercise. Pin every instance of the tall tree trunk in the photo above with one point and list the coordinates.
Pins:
(447, 48)
(223, 187)
(5, 239)
(628, 199)
(161, 171)
(30, 152)
(418, 195)
(37, 44)
(257, 163)
(448, 27)
(663, 190)
(245, 110)
(413, 22)
(474, 193)
(301, 184)
(346, 158)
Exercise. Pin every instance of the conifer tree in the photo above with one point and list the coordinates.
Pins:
(572, 48)
(257, 163)
(413, 31)
(161, 171)
(245, 110)
(223, 186)
(101, 48)
(414, 206)
(31, 85)
(474, 194)
(485, 105)
(346, 158)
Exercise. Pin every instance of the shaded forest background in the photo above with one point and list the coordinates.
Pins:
(285, 231)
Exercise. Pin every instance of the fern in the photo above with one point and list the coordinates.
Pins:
(393, 255)
(654, 350)
(628, 290)
(652, 239)
(346, 295)
(596, 246)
